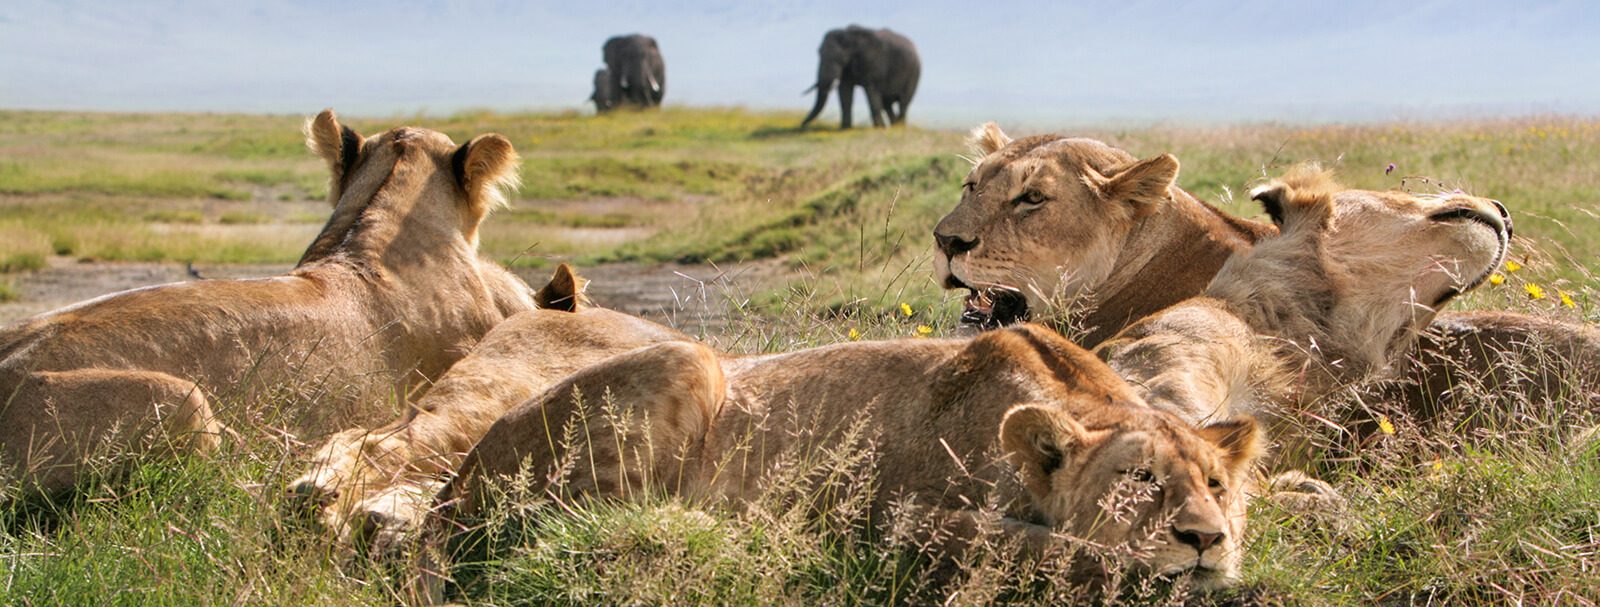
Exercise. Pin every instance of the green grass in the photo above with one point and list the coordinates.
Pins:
(191, 533)
(757, 188)
(22, 247)
(1490, 526)
(1460, 518)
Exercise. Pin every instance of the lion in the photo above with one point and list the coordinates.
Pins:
(1339, 294)
(1048, 219)
(387, 296)
(372, 486)
(945, 421)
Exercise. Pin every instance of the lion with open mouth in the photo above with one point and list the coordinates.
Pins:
(1073, 230)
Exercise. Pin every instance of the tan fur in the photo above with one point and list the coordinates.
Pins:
(1174, 253)
(1338, 295)
(1115, 234)
(565, 291)
(373, 485)
(987, 139)
(680, 419)
(389, 295)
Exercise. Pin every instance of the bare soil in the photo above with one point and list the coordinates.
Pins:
(692, 297)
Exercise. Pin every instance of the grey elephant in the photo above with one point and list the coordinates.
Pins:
(604, 97)
(881, 62)
(635, 73)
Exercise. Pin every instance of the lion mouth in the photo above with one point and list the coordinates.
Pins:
(994, 308)
(1502, 227)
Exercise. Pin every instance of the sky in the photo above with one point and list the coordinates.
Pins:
(1038, 63)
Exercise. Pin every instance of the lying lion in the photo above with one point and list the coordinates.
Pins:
(373, 486)
(390, 294)
(678, 418)
(1339, 293)
(1048, 219)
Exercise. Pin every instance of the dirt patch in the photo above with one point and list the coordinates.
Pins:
(693, 298)
(64, 281)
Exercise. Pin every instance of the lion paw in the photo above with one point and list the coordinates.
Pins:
(1296, 491)
(383, 524)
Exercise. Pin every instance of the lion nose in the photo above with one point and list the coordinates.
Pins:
(954, 245)
(1201, 540)
(1505, 215)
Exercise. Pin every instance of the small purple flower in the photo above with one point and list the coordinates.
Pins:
(1389, 170)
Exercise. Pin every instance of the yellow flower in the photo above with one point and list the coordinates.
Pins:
(1497, 279)
(1534, 291)
(1566, 300)
(905, 309)
(924, 330)
(854, 334)
(1438, 465)
(1385, 426)
(1512, 266)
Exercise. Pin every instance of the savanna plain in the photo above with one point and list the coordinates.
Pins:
(732, 226)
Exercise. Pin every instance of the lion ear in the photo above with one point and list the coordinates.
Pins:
(485, 167)
(1145, 185)
(564, 291)
(987, 139)
(1272, 197)
(1301, 194)
(1238, 438)
(336, 144)
(1037, 439)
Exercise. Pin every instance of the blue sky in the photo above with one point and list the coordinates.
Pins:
(1033, 62)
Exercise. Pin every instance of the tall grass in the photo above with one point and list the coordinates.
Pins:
(758, 188)
(22, 247)
(1439, 512)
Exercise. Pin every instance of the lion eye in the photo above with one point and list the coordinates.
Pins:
(1214, 484)
(969, 186)
(1033, 197)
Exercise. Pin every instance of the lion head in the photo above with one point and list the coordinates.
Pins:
(1172, 494)
(1356, 273)
(1043, 217)
(395, 180)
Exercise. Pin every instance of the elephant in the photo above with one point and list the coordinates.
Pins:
(604, 97)
(882, 62)
(635, 73)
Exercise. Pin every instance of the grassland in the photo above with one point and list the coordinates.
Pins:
(1472, 518)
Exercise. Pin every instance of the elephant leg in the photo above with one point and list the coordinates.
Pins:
(875, 105)
(899, 116)
(58, 425)
(847, 98)
(640, 93)
(890, 109)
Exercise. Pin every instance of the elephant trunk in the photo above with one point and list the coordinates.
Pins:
(823, 87)
(829, 70)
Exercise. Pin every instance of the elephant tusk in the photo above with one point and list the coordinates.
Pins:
(808, 91)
